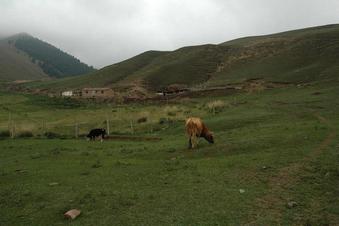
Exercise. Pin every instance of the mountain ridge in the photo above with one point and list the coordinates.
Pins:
(296, 56)
(23, 56)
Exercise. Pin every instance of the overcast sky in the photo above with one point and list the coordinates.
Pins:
(103, 32)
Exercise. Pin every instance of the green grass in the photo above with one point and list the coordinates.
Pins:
(161, 182)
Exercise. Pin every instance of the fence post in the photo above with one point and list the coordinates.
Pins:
(43, 127)
(11, 126)
(107, 126)
(132, 129)
(9, 122)
(13, 130)
(76, 130)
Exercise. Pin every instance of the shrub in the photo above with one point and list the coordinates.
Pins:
(162, 120)
(97, 164)
(51, 135)
(142, 119)
(5, 133)
(165, 120)
(24, 134)
(171, 113)
(216, 106)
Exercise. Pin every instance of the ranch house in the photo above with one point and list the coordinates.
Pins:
(97, 93)
(67, 93)
(172, 90)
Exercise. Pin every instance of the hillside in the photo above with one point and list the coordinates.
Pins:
(298, 56)
(16, 65)
(25, 57)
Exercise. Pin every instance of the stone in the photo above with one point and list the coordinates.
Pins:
(292, 204)
(72, 214)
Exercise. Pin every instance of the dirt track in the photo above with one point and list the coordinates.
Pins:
(274, 202)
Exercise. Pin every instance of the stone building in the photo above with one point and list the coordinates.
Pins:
(97, 93)
(68, 93)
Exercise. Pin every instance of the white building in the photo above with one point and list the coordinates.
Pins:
(67, 93)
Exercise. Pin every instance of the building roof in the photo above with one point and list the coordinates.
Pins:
(88, 89)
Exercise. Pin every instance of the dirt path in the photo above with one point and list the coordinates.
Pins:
(274, 203)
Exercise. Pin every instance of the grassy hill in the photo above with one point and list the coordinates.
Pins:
(25, 57)
(298, 56)
(16, 65)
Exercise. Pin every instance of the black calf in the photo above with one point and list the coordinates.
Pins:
(96, 133)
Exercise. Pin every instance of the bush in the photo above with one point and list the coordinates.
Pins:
(5, 133)
(216, 106)
(162, 120)
(171, 113)
(165, 120)
(142, 119)
(51, 135)
(171, 110)
(24, 134)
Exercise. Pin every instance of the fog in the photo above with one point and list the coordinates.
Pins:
(103, 32)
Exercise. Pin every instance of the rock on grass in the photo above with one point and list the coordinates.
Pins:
(72, 214)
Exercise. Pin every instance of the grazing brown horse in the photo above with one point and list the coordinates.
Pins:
(196, 128)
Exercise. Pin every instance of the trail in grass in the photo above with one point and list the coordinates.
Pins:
(273, 204)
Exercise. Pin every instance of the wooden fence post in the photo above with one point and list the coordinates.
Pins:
(9, 122)
(76, 130)
(11, 126)
(132, 128)
(43, 127)
(107, 126)
(13, 130)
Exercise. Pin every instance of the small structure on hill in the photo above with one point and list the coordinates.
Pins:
(97, 93)
(68, 93)
(89, 93)
(220, 67)
(173, 89)
(77, 93)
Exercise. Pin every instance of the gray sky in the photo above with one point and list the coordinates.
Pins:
(103, 32)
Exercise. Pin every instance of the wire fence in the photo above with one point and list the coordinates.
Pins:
(68, 123)
(18, 126)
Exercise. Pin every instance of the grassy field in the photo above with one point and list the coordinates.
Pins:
(274, 162)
